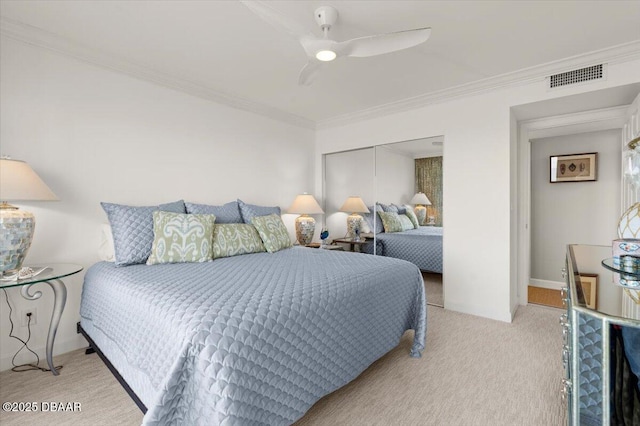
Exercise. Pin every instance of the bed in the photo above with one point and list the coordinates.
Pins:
(257, 338)
(421, 246)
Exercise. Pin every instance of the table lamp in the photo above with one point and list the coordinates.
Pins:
(18, 182)
(420, 201)
(304, 205)
(354, 205)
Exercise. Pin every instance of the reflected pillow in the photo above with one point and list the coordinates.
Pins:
(389, 208)
(227, 213)
(249, 211)
(273, 233)
(372, 216)
(412, 216)
(180, 238)
(406, 222)
(132, 230)
(400, 209)
(391, 221)
(233, 239)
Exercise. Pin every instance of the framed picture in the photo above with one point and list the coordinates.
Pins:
(589, 285)
(574, 167)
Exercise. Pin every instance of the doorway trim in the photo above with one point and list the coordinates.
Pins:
(559, 125)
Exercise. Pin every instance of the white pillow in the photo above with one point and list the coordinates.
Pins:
(106, 250)
(365, 228)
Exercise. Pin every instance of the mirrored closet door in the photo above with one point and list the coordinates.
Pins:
(348, 184)
(409, 190)
(404, 181)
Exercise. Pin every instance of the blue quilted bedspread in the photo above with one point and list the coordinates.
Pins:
(422, 247)
(252, 339)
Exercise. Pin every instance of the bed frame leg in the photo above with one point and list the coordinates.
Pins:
(90, 350)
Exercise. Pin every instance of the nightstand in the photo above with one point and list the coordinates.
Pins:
(352, 244)
(52, 275)
(327, 247)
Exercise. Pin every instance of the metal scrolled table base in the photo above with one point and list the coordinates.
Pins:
(60, 299)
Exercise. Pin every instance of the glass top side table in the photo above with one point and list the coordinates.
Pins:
(52, 275)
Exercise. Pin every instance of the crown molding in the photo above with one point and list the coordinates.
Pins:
(574, 123)
(612, 55)
(43, 39)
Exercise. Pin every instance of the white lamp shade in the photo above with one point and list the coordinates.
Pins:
(420, 198)
(305, 204)
(354, 205)
(18, 182)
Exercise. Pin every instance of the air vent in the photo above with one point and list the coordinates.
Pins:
(595, 72)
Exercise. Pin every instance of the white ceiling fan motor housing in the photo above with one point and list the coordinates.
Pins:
(326, 16)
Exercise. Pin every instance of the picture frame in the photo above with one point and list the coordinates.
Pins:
(589, 285)
(573, 167)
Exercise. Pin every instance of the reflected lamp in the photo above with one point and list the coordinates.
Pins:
(354, 205)
(18, 182)
(420, 201)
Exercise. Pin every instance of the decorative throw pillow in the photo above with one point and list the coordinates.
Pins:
(227, 213)
(391, 221)
(181, 238)
(132, 230)
(412, 216)
(401, 209)
(406, 222)
(249, 211)
(273, 232)
(232, 239)
(373, 220)
(389, 208)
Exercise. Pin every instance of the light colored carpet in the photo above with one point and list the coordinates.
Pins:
(474, 371)
(433, 288)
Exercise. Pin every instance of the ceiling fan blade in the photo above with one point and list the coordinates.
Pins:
(384, 43)
(277, 19)
(309, 72)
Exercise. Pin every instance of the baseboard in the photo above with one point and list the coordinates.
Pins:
(552, 285)
(60, 347)
(478, 311)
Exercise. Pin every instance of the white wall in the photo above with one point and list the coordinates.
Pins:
(478, 169)
(572, 212)
(395, 176)
(347, 174)
(95, 135)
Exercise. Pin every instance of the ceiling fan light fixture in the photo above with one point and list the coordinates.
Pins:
(326, 55)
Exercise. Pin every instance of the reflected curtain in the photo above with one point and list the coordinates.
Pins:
(429, 181)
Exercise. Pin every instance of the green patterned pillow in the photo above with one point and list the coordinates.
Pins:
(406, 222)
(233, 239)
(391, 221)
(412, 216)
(181, 238)
(272, 231)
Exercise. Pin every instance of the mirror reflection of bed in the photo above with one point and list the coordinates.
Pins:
(388, 177)
(406, 172)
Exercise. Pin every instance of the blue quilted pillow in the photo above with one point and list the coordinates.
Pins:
(132, 229)
(388, 208)
(401, 209)
(227, 213)
(249, 211)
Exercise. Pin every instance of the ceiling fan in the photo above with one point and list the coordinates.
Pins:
(323, 50)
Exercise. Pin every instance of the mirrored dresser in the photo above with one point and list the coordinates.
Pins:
(601, 336)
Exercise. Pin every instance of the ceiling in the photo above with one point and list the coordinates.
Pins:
(221, 47)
